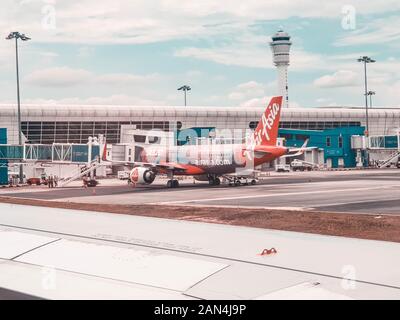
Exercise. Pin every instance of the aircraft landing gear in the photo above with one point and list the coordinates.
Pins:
(214, 181)
(172, 183)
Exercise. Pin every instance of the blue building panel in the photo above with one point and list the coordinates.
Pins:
(95, 152)
(334, 152)
(80, 152)
(336, 143)
(391, 142)
(189, 135)
(3, 163)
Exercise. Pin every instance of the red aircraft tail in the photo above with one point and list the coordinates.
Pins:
(266, 132)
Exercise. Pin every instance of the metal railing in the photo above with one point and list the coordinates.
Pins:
(93, 166)
(389, 160)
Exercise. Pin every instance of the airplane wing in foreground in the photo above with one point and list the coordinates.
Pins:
(72, 254)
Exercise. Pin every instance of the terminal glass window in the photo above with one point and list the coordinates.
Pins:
(328, 141)
(286, 136)
(139, 138)
(74, 133)
(314, 125)
(48, 132)
(340, 142)
(61, 131)
(40, 132)
(303, 137)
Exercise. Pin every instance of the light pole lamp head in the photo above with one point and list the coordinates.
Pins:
(10, 36)
(17, 35)
(185, 88)
(23, 37)
(366, 59)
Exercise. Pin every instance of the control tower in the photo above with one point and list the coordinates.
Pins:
(280, 46)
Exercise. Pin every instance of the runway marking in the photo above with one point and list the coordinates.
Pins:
(275, 195)
(354, 202)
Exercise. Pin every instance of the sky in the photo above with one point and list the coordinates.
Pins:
(136, 52)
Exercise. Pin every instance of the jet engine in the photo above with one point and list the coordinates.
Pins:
(141, 175)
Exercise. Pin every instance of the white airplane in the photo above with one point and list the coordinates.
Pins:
(210, 162)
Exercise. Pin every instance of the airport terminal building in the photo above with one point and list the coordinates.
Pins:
(330, 130)
(73, 124)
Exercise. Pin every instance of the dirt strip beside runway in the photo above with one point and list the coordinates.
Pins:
(363, 226)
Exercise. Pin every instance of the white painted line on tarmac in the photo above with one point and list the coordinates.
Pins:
(354, 202)
(276, 195)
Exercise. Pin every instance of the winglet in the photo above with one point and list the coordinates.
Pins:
(305, 144)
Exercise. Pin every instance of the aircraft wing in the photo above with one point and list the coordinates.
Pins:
(259, 151)
(53, 253)
(294, 152)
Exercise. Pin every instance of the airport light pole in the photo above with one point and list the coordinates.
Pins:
(185, 88)
(370, 93)
(16, 35)
(365, 60)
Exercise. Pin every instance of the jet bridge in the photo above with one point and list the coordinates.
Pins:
(383, 150)
(56, 152)
(42, 155)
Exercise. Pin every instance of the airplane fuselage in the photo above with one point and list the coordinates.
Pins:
(210, 159)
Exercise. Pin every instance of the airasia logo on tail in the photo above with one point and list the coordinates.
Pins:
(268, 122)
(267, 128)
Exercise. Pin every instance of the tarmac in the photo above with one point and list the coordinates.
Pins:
(357, 191)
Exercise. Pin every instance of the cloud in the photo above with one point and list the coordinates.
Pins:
(58, 77)
(120, 99)
(124, 79)
(68, 77)
(245, 49)
(378, 31)
(116, 99)
(252, 93)
(381, 75)
(7, 55)
(48, 54)
(256, 102)
(194, 73)
(246, 90)
(233, 33)
(137, 21)
(341, 78)
(85, 52)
